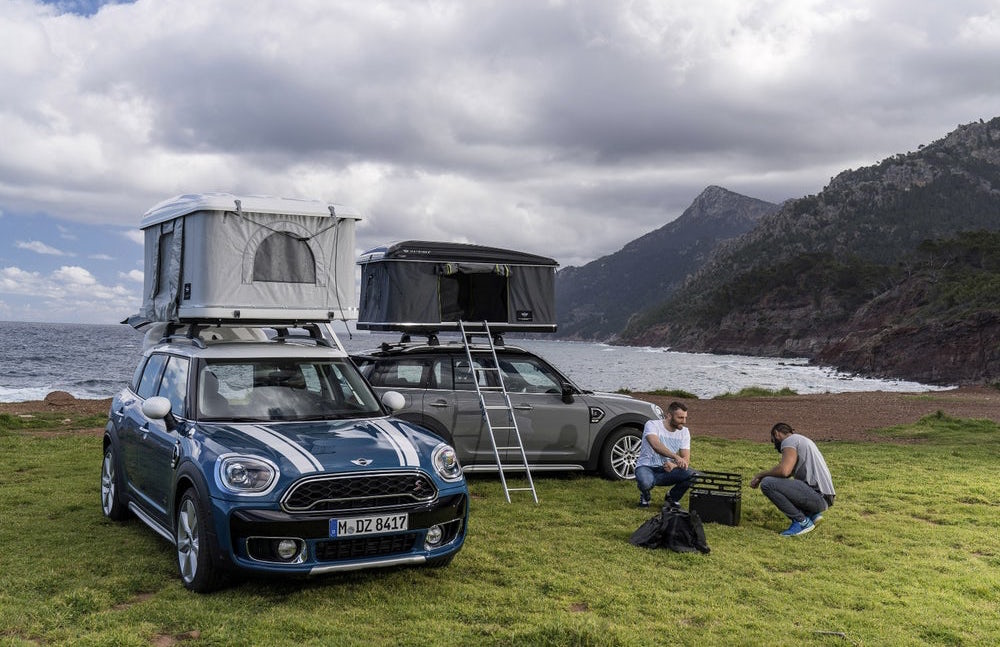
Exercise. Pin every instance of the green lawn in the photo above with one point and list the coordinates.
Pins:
(910, 555)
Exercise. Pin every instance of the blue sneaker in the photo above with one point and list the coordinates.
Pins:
(816, 518)
(799, 528)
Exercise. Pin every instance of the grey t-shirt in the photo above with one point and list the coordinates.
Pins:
(810, 466)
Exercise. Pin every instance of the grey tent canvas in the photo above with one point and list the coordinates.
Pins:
(221, 257)
(424, 286)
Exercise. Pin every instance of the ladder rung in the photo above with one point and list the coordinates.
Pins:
(520, 489)
(496, 407)
(501, 449)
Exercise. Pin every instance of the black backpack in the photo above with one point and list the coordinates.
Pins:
(672, 528)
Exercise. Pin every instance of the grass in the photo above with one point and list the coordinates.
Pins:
(910, 555)
(756, 392)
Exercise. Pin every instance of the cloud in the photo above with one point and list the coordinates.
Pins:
(566, 128)
(135, 236)
(134, 275)
(67, 282)
(40, 248)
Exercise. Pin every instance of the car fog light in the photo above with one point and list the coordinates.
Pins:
(287, 548)
(434, 535)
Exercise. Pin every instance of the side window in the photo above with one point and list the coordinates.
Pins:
(150, 380)
(463, 375)
(441, 374)
(404, 373)
(137, 377)
(527, 374)
(174, 384)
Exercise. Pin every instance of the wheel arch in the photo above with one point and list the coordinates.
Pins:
(628, 420)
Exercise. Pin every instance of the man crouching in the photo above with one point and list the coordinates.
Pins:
(665, 457)
(809, 492)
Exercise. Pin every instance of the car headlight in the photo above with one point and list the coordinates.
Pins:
(246, 474)
(446, 463)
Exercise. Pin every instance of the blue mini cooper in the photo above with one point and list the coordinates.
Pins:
(263, 450)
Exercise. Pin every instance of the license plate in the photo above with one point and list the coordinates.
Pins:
(369, 525)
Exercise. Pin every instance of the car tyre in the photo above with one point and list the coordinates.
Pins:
(112, 503)
(620, 453)
(195, 563)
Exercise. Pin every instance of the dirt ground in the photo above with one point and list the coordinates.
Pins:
(822, 417)
(831, 416)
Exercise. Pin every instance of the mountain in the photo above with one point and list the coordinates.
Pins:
(892, 270)
(595, 301)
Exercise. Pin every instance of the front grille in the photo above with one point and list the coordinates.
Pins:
(359, 547)
(359, 492)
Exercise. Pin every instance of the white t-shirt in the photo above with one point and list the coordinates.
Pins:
(675, 441)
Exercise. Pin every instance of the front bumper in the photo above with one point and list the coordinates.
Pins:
(251, 536)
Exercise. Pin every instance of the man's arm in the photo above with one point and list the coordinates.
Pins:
(681, 458)
(782, 470)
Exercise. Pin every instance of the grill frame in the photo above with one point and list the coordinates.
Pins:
(395, 499)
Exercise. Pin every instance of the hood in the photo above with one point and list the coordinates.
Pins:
(310, 447)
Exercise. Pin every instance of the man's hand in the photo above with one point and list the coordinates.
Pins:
(682, 462)
(754, 482)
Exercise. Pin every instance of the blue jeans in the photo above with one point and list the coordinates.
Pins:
(681, 479)
(794, 498)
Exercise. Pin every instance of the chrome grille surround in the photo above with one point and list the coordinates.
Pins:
(382, 490)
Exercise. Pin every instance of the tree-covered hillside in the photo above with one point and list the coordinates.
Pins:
(807, 278)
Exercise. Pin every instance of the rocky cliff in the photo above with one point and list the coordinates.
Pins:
(888, 271)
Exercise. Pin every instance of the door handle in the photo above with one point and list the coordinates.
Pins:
(523, 407)
(440, 404)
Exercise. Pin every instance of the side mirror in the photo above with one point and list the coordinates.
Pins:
(393, 400)
(567, 393)
(158, 408)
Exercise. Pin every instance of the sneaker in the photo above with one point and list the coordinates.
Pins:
(816, 518)
(643, 503)
(671, 504)
(799, 528)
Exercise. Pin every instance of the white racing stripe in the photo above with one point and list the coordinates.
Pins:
(303, 461)
(407, 453)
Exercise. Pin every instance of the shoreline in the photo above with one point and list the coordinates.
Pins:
(823, 417)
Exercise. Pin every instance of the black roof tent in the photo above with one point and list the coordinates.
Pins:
(426, 286)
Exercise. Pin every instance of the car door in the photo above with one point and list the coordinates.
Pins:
(452, 402)
(133, 425)
(552, 430)
(158, 446)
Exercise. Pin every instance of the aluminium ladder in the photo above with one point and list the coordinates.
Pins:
(510, 424)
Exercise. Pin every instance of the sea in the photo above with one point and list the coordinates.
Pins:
(94, 361)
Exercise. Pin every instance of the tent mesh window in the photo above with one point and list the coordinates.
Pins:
(285, 258)
(473, 293)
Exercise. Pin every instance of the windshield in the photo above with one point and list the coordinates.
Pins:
(283, 389)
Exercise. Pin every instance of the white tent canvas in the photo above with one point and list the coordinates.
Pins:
(223, 257)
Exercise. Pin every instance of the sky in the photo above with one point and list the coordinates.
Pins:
(565, 128)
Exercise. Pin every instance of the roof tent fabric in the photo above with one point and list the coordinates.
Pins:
(431, 286)
(218, 256)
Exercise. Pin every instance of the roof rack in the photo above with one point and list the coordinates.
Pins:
(192, 331)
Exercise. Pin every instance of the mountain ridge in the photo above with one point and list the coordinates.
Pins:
(839, 276)
(596, 300)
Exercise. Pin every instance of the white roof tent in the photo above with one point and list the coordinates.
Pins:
(427, 287)
(221, 257)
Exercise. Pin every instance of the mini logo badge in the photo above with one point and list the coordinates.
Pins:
(362, 462)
